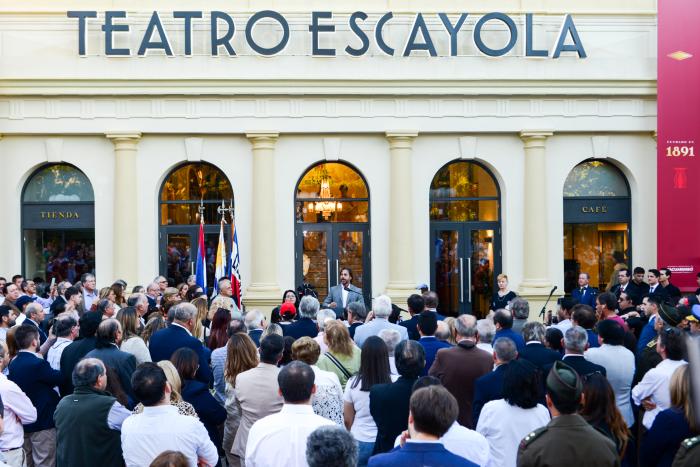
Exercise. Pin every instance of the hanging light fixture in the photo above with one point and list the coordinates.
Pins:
(325, 207)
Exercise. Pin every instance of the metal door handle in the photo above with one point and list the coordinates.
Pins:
(337, 272)
(191, 267)
(328, 275)
(461, 280)
(469, 276)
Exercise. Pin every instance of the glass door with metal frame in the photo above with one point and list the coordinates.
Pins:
(464, 259)
(322, 250)
(178, 252)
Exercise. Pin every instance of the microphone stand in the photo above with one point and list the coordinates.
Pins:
(542, 311)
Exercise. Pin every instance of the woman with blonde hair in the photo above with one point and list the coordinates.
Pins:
(173, 377)
(503, 295)
(327, 401)
(200, 331)
(671, 426)
(221, 302)
(342, 356)
(131, 341)
(241, 355)
(450, 322)
(155, 323)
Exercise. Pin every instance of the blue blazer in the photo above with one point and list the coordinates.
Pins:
(37, 379)
(419, 455)
(210, 413)
(165, 342)
(539, 355)
(509, 333)
(255, 335)
(431, 345)
(587, 297)
(301, 328)
(486, 389)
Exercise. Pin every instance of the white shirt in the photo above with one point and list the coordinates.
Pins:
(619, 367)
(321, 342)
(183, 327)
(485, 346)
(280, 439)
(19, 411)
(344, 295)
(89, 298)
(656, 384)
(162, 428)
(363, 427)
(3, 334)
(505, 425)
(563, 325)
(53, 356)
(463, 442)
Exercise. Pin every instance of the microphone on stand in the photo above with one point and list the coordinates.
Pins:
(542, 311)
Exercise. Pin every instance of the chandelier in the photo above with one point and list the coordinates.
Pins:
(326, 208)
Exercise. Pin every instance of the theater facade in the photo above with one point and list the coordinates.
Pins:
(443, 142)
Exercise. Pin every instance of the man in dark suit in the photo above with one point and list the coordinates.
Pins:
(584, 316)
(340, 295)
(427, 325)
(585, 294)
(416, 304)
(432, 411)
(255, 324)
(503, 320)
(35, 316)
(357, 313)
(625, 284)
(76, 350)
(575, 344)
(431, 303)
(638, 281)
(388, 403)
(165, 342)
(304, 326)
(490, 386)
(673, 292)
(655, 287)
(37, 380)
(459, 367)
(535, 351)
(109, 336)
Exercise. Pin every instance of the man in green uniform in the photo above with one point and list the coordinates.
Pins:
(567, 439)
(689, 453)
(648, 358)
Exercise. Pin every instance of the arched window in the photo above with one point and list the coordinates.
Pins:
(332, 227)
(184, 190)
(58, 224)
(465, 237)
(597, 224)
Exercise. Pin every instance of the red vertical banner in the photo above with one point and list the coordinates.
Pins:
(678, 158)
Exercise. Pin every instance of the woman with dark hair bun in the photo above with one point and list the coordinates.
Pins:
(505, 422)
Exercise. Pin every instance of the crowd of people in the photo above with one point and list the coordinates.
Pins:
(164, 376)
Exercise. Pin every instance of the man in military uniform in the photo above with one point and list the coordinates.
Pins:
(688, 454)
(567, 439)
(648, 358)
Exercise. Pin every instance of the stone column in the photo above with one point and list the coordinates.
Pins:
(126, 245)
(401, 251)
(536, 284)
(262, 291)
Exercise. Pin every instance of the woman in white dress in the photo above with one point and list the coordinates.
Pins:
(131, 341)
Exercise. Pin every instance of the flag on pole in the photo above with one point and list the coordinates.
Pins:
(201, 266)
(233, 264)
(220, 259)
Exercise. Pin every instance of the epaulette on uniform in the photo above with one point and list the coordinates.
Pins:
(533, 435)
(690, 443)
(652, 344)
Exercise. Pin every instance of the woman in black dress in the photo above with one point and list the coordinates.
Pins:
(502, 296)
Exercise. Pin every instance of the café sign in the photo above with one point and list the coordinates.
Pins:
(115, 26)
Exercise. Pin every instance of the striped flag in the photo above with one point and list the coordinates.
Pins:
(233, 264)
(201, 266)
(220, 260)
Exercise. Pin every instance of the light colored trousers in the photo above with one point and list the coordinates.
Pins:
(40, 448)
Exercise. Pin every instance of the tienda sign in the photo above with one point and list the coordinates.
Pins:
(222, 28)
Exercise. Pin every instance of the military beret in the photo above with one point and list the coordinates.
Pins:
(671, 315)
(563, 381)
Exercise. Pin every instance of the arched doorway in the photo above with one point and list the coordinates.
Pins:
(465, 236)
(597, 220)
(183, 191)
(332, 227)
(58, 224)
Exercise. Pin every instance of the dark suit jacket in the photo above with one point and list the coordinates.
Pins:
(57, 301)
(165, 342)
(486, 389)
(673, 292)
(352, 327)
(255, 334)
(514, 336)
(70, 357)
(301, 328)
(419, 455)
(632, 290)
(37, 379)
(210, 412)
(587, 297)
(582, 366)
(458, 368)
(431, 345)
(410, 325)
(122, 362)
(540, 355)
(661, 294)
(42, 334)
(388, 404)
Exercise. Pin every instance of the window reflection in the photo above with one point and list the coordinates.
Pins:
(595, 178)
(58, 183)
(463, 180)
